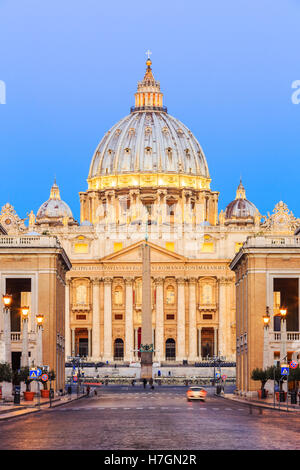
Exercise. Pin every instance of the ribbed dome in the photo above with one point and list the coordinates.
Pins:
(149, 142)
(240, 208)
(54, 207)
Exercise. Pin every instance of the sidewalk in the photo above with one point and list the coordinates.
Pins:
(11, 410)
(263, 403)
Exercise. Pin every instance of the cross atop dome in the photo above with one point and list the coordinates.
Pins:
(148, 53)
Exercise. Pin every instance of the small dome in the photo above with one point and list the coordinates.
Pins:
(240, 208)
(54, 208)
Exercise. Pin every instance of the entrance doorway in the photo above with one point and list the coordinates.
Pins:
(207, 342)
(119, 350)
(170, 349)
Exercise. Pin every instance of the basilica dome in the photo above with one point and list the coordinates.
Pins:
(148, 142)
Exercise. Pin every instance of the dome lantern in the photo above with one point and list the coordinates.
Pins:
(148, 95)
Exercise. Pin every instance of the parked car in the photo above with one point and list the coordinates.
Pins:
(196, 393)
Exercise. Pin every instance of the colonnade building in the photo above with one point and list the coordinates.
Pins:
(148, 178)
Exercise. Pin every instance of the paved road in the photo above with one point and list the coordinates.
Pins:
(131, 418)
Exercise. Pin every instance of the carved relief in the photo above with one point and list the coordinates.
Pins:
(282, 220)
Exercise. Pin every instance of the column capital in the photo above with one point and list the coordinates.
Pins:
(128, 280)
(159, 281)
(95, 280)
(180, 280)
(192, 280)
(107, 280)
(225, 280)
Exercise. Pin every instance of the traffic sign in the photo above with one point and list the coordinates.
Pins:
(44, 377)
(218, 375)
(224, 377)
(33, 374)
(293, 364)
(285, 369)
(39, 372)
(75, 378)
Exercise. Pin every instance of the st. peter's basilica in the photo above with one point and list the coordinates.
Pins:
(149, 178)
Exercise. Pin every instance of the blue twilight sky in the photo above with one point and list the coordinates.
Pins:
(226, 69)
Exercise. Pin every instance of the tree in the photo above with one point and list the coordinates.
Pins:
(5, 372)
(261, 375)
(23, 376)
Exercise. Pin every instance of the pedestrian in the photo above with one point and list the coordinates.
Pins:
(69, 391)
(133, 382)
(88, 390)
(151, 383)
(145, 382)
(95, 392)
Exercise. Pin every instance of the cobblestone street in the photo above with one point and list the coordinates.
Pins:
(125, 418)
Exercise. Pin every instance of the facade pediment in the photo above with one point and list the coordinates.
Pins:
(133, 253)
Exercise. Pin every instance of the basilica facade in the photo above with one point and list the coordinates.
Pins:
(148, 179)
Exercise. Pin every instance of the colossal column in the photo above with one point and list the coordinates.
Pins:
(107, 347)
(67, 320)
(128, 320)
(159, 320)
(96, 319)
(192, 321)
(222, 315)
(180, 320)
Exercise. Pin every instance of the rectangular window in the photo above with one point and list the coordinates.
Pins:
(80, 317)
(118, 246)
(17, 287)
(286, 292)
(207, 247)
(170, 246)
(238, 246)
(170, 316)
(81, 248)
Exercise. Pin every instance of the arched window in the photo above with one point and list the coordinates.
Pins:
(170, 295)
(118, 349)
(170, 349)
(207, 294)
(81, 295)
(118, 295)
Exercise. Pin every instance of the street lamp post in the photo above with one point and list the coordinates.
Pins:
(266, 320)
(39, 339)
(283, 340)
(39, 346)
(25, 314)
(7, 299)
